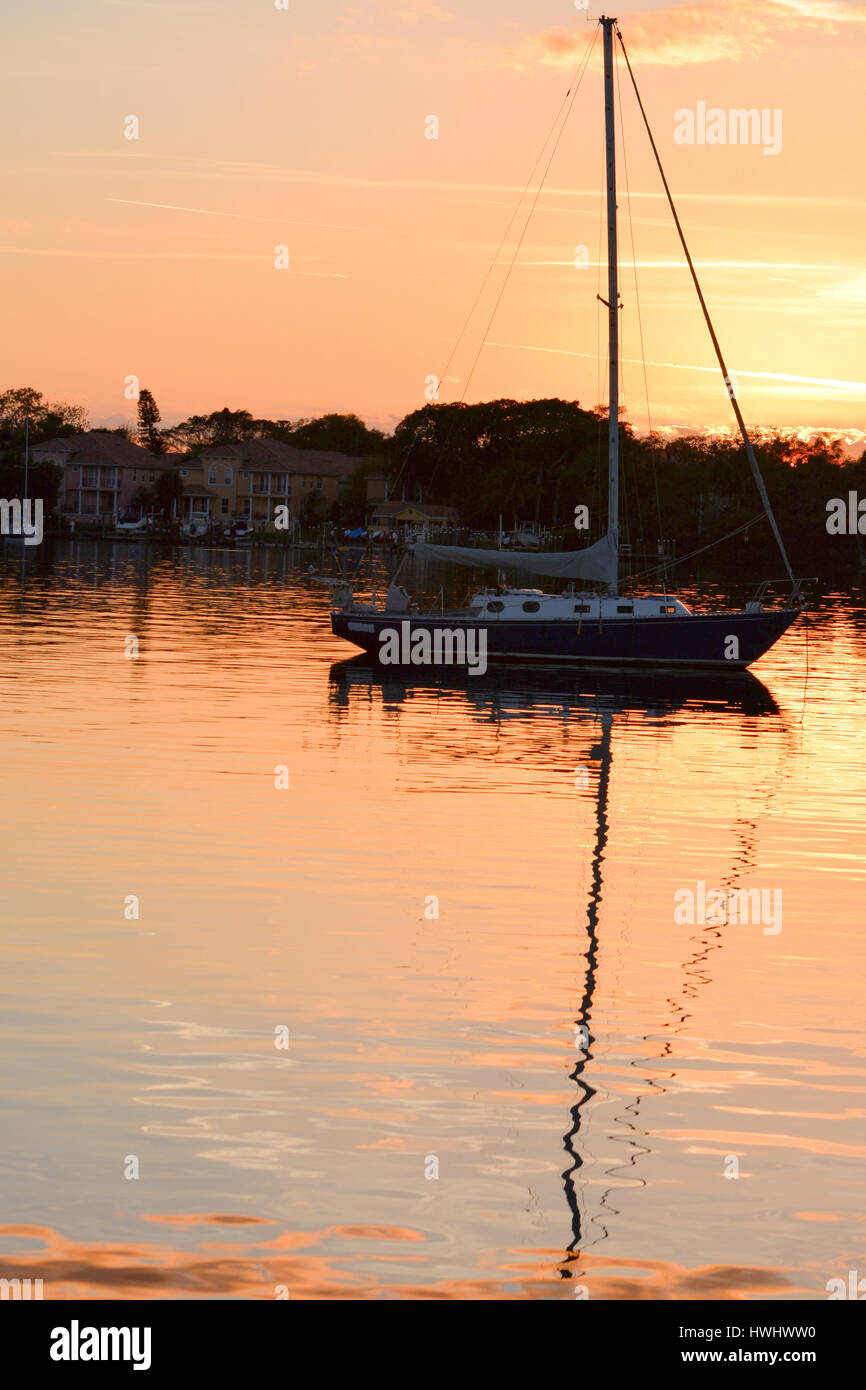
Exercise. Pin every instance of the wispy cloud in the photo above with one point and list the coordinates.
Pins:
(248, 217)
(191, 167)
(848, 291)
(709, 31)
(850, 436)
(832, 383)
(724, 31)
(103, 255)
(700, 265)
(404, 11)
(826, 11)
(188, 6)
(412, 10)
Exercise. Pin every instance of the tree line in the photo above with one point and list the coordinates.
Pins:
(522, 461)
(538, 460)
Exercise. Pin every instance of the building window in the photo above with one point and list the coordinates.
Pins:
(211, 475)
(583, 608)
(90, 477)
(153, 477)
(318, 482)
(183, 472)
(625, 608)
(245, 473)
(227, 477)
(224, 506)
(245, 507)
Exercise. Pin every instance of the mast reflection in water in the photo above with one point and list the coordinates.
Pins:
(554, 816)
(594, 699)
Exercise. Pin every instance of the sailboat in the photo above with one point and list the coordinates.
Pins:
(576, 626)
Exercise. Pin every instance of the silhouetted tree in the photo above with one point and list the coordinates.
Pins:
(313, 509)
(341, 434)
(47, 420)
(149, 417)
(167, 490)
(220, 427)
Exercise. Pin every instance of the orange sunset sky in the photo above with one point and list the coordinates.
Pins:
(305, 127)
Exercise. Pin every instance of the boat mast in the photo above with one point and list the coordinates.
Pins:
(612, 302)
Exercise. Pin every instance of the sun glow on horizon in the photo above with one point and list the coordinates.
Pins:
(155, 255)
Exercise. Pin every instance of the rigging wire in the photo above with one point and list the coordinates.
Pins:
(493, 314)
(750, 453)
(564, 106)
(690, 555)
(511, 220)
(631, 236)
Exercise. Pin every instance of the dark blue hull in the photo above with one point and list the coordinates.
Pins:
(699, 640)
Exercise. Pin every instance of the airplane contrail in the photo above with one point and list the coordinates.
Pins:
(700, 265)
(248, 217)
(687, 367)
(164, 256)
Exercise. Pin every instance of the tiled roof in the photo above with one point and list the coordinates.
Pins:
(98, 446)
(274, 454)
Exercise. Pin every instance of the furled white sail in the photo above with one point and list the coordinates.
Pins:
(597, 562)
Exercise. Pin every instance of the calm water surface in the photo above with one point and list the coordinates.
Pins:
(584, 1072)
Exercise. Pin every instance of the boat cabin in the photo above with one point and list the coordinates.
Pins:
(511, 604)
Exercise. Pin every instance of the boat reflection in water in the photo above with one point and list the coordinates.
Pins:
(598, 700)
(512, 691)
